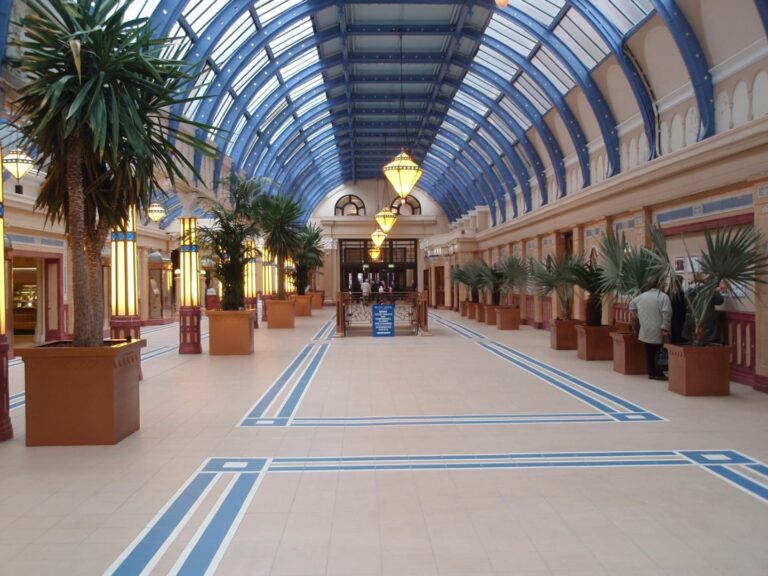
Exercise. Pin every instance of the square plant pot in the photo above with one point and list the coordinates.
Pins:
(231, 332)
(594, 342)
(699, 370)
(508, 318)
(281, 314)
(303, 305)
(562, 334)
(628, 354)
(78, 396)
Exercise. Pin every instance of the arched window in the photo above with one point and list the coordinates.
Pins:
(350, 205)
(409, 206)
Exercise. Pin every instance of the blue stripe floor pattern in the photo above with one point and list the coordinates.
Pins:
(243, 476)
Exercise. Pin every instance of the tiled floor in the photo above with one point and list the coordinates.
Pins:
(469, 452)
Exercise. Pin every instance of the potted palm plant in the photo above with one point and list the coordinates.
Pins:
(279, 219)
(625, 271)
(307, 257)
(491, 278)
(472, 279)
(555, 274)
(593, 339)
(234, 221)
(97, 105)
(514, 274)
(736, 259)
(459, 276)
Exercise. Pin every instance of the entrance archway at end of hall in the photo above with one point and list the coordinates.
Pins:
(396, 266)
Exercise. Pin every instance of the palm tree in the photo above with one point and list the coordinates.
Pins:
(514, 273)
(625, 269)
(308, 256)
(470, 276)
(280, 223)
(555, 275)
(490, 278)
(588, 275)
(97, 107)
(235, 221)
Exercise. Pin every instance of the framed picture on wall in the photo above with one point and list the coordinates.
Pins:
(679, 264)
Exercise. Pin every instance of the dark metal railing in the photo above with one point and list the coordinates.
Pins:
(355, 309)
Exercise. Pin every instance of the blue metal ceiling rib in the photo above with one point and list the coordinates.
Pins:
(762, 8)
(695, 61)
(570, 121)
(348, 85)
(581, 74)
(615, 41)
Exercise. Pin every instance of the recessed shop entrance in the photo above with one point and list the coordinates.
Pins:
(37, 311)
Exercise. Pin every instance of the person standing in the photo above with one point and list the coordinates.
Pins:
(653, 309)
(365, 288)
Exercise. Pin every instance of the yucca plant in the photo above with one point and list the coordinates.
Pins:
(555, 274)
(97, 106)
(234, 221)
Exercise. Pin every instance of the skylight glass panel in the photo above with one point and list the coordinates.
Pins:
(503, 29)
(226, 103)
(301, 63)
(532, 92)
(268, 10)
(140, 9)
(496, 61)
(273, 113)
(311, 104)
(551, 67)
(309, 84)
(283, 127)
(624, 13)
(235, 134)
(180, 44)
(318, 143)
(581, 38)
(291, 37)
(264, 92)
(514, 110)
(479, 150)
(454, 130)
(199, 14)
(502, 127)
(315, 135)
(475, 81)
(445, 140)
(491, 140)
(458, 115)
(206, 77)
(235, 37)
(467, 100)
(255, 65)
(542, 10)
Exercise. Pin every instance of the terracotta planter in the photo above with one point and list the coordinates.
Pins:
(699, 370)
(508, 318)
(303, 305)
(317, 300)
(471, 310)
(628, 354)
(594, 342)
(562, 334)
(463, 307)
(81, 396)
(231, 332)
(480, 316)
(490, 315)
(281, 314)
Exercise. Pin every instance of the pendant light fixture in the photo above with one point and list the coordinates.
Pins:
(385, 219)
(374, 254)
(403, 173)
(378, 238)
(502, 3)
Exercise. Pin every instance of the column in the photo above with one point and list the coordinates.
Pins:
(761, 299)
(189, 308)
(251, 277)
(124, 321)
(6, 428)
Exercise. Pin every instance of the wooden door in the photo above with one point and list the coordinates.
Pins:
(53, 299)
(439, 286)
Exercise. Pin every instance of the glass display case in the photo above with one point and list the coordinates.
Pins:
(25, 307)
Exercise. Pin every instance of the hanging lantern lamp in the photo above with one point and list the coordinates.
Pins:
(403, 173)
(385, 218)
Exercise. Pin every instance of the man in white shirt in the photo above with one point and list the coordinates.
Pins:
(365, 287)
(653, 309)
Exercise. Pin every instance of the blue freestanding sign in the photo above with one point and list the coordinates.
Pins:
(383, 320)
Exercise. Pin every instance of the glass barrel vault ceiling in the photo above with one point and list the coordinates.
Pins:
(316, 93)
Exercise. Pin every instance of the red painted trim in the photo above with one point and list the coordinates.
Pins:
(737, 220)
